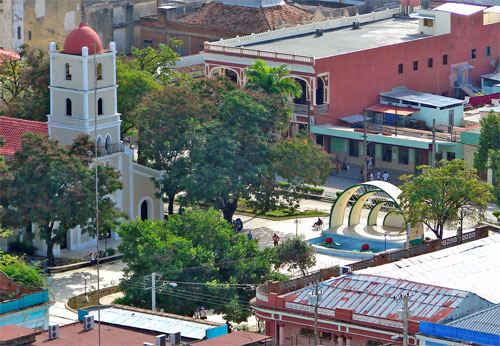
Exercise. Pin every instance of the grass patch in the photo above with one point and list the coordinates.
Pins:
(78, 302)
(282, 214)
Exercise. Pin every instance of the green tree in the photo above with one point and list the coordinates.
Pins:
(49, 186)
(489, 139)
(233, 151)
(437, 196)
(19, 271)
(168, 120)
(198, 253)
(159, 63)
(24, 86)
(494, 165)
(272, 80)
(295, 253)
(134, 85)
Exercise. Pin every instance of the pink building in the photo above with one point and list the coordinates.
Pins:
(343, 66)
(357, 309)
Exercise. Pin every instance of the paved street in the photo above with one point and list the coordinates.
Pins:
(66, 285)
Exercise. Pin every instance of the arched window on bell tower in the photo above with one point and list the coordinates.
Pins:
(99, 107)
(69, 111)
(144, 211)
(67, 70)
(99, 71)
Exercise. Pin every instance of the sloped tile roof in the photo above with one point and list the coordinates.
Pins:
(12, 131)
(6, 54)
(247, 20)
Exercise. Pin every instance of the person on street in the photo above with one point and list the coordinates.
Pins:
(378, 175)
(249, 235)
(92, 258)
(386, 176)
(276, 239)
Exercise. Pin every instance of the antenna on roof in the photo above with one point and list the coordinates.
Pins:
(82, 7)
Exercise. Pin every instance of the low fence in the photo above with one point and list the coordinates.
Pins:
(483, 100)
(24, 302)
(380, 259)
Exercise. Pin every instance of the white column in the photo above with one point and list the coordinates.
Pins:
(86, 107)
(282, 335)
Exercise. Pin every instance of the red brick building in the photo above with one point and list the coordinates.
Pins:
(216, 20)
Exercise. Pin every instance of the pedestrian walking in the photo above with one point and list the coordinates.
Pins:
(370, 177)
(93, 261)
(276, 239)
(378, 175)
(386, 176)
(370, 162)
(249, 235)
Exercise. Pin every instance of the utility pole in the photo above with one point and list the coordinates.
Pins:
(153, 292)
(433, 158)
(406, 299)
(296, 227)
(365, 148)
(316, 293)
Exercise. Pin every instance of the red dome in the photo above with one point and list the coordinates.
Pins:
(82, 36)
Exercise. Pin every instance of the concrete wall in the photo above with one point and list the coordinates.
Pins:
(12, 18)
(52, 20)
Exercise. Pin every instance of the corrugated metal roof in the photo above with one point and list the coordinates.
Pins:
(485, 321)
(422, 98)
(398, 110)
(352, 119)
(470, 267)
(377, 296)
(157, 323)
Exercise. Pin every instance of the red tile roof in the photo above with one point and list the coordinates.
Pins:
(247, 20)
(234, 339)
(12, 131)
(6, 54)
(11, 333)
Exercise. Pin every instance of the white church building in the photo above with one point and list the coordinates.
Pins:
(75, 98)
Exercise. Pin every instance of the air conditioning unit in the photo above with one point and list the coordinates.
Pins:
(312, 121)
(88, 322)
(175, 338)
(53, 331)
(161, 340)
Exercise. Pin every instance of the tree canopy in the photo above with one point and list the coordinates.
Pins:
(19, 271)
(24, 86)
(438, 196)
(489, 139)
(209, 263)
(272, 80)
(296, 253)
(54, 188)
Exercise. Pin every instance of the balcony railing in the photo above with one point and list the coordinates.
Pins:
(410, 132)
(110, 148)
(322, 109)
(300, 109)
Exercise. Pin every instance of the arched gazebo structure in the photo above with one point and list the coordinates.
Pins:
(377, 196)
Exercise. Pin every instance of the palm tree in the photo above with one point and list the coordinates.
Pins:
(272, 80)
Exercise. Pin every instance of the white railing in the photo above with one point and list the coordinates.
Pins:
(306, 28)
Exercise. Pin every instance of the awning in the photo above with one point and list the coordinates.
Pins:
(421, 16)
(390, 109)
(464, 67)
(493, 76)
(353, 119)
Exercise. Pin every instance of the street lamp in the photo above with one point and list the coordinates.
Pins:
(296, 227)
(86, 277)
(385, 242)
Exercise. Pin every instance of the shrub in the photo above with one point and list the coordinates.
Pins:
(110, 251)
(496, 213)
(284, 185)
(22, 246)
(303, 188)
(19, 271)
(338, 193)
(316, 190)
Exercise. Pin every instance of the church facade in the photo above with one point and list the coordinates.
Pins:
(83, 100)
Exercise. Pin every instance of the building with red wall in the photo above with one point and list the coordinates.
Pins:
(343, 65)
(358, 310)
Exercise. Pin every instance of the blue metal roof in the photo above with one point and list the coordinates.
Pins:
(153, 322)
(485, 321)
(424, 99)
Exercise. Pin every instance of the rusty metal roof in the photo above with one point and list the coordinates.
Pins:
(378, 296)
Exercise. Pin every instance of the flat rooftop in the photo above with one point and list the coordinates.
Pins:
(343, 41)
